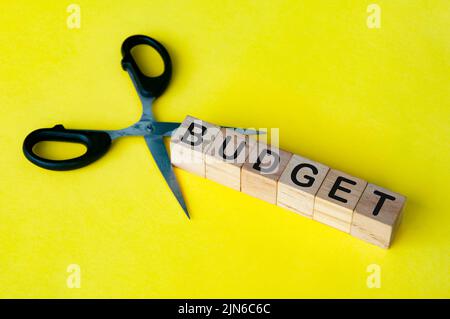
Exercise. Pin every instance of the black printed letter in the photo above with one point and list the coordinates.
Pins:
(236, 152)
(336, 186)
(273, 168)
(187, 137)
(380, 203)
(310, 180)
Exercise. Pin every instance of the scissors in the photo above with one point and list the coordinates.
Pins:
(98, 142)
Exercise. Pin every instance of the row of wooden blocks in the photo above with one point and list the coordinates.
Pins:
(306, 187)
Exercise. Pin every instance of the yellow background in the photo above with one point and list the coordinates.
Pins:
(371, 102)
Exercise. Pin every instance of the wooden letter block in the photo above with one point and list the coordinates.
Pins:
(189, 143)
(308, 188)
(337, 198)
(299, 184)
(377, 215)
(226, 156)
(262, 170)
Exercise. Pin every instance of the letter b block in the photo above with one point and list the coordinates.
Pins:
(377, 215)
(299, 184)
(337, 198)
(189, 144)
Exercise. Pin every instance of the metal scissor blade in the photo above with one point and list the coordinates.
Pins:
(165, 128)
(245, 131)
(168, 128)
(158, 149)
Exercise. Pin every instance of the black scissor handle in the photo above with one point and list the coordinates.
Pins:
(96, 142)
(145, 85)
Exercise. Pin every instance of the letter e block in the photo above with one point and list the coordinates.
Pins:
(189, 144)
(377, 215)
(337, 198)
(262, 170)
(299, 184)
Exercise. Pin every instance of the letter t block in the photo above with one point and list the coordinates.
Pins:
(377, 215)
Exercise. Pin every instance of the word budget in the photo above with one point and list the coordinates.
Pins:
(291, 181)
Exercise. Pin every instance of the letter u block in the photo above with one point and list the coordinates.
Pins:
(189, 144)
(262, 170)
(337, 198)
(226, 156)
(299, 184)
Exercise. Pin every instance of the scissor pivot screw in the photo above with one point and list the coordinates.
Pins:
(149, 128)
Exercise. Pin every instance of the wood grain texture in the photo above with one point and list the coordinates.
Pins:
(226, 156)
(260, 174)
(377, 215)
(299, 184)
(189, 143)
(337, 198)
(291, 181)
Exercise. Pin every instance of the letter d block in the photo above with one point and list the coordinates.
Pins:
(189, 144)
(377, 215)
(337, 198)
(262, 170)
(299, 184)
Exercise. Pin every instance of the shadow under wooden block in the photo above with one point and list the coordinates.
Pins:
(226, 156)
(189, 143)
(377, 215)
(262, 170)
(299, 184)
(337, 198)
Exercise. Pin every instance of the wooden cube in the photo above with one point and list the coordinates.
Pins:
(190, 142)
(299, 184)
(337, 198)
(377, 215)
(226, 156)
(262, 170)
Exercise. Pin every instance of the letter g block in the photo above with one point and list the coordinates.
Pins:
(299, 184)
